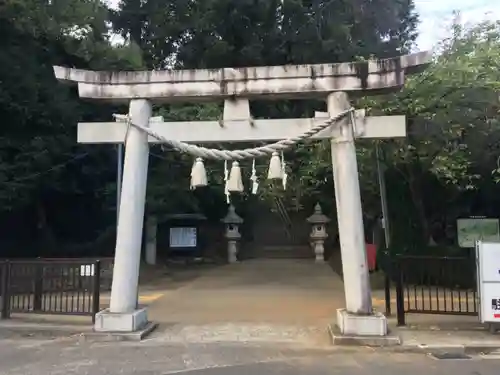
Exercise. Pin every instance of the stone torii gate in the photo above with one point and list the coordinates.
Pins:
(236, 87)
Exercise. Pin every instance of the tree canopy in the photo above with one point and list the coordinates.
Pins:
(448, 165)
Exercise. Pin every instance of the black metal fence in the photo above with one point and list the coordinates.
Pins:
(51, 286)
(435, 285)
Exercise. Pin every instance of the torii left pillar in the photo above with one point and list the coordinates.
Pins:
(123, 314)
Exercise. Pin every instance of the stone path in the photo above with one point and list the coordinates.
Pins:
(277, 300)
(267, 290)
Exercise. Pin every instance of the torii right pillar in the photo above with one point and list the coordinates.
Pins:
(358, 318)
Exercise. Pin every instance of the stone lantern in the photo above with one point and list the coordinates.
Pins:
(232, 221)
(318, 234)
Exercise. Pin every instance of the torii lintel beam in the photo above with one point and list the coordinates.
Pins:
(267, 82)
(242, 130)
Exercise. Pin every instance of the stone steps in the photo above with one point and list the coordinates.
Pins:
(283, 252)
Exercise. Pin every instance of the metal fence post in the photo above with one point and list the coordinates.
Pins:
(96, 292)
(387, 283)
(387, 292)
(400, 303)
(5, 295)
(38, 286)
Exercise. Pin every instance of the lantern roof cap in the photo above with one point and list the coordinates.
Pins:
(232, 217)
(318, 217)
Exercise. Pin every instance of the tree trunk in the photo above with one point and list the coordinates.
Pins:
(414, 182)
(414, 179)
(47, 241)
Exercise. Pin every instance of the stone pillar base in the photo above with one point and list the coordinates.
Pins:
(361, 325)
(320, 260)
(106, 321)
(232, 252)
(319, 250)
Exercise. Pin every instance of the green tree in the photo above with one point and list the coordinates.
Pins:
(190, 34)
(41, 164)
(452, 110)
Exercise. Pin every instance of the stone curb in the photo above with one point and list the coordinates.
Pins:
(120, 336)
(448, 348)
(67, 330)
(42, 326)
(427, 349)
(389, 341)
(396, 344)
(42, 329)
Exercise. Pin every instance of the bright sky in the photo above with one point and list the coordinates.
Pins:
(436, 15)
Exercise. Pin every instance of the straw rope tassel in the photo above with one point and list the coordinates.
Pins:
(235, 183)
(283, 170)
(198, 174)
(191, 186)
(275, 172)
(226, 178)
(254, 178)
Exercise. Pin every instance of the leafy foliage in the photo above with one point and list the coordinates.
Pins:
(446, 167)
(453, 116)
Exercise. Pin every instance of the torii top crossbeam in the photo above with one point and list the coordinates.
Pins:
(267, 82)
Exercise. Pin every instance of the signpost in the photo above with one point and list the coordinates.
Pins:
(470, 230)
(488, 282)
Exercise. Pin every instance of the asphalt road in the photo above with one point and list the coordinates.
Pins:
(72, 356)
